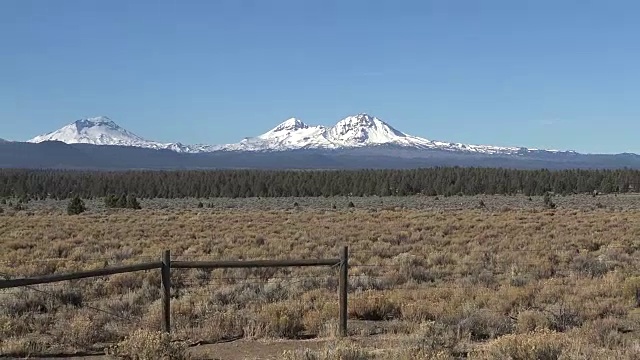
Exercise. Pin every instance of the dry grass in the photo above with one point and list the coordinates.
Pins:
(517, 282)
(148, 345)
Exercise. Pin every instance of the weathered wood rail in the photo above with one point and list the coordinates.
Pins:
(166, 265)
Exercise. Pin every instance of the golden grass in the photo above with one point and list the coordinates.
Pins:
(149, 345)
(489, 283)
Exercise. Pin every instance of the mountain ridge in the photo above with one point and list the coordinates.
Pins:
(361, 130)
(58, 155)
(354, 131)
(101, 130)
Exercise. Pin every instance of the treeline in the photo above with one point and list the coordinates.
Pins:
(40, 184)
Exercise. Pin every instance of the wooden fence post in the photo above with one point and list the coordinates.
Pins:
(343, 281)
(166, 291)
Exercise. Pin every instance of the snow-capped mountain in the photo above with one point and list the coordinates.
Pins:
(103, 131)
(355, 131)
(360, 141)
(289, 135)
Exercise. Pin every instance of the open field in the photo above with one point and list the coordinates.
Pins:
(429, 278)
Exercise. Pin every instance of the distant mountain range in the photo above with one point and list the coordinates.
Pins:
(355, 131)
(358, 141)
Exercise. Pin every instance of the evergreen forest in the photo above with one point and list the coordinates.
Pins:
(446, 181)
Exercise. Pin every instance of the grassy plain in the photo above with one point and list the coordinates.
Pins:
(488, 277)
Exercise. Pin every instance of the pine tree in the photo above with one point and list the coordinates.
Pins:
(111, 201)
(76, 206)
(123, 202)
(132, 203)
(548, 202)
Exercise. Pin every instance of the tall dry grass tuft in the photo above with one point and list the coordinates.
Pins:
(148, 345)
(372, 305)
(541, 345)
(340, 351)
(278, 320)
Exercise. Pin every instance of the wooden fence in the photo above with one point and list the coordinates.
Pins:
(166, 265)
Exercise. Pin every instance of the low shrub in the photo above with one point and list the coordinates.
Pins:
(541, 345)
(531, 320)
(373, 306)
(282, 320)
(148, 345)
(337, 352)
(485, 324)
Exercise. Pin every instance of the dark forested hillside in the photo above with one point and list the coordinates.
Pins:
(58, 155)
(60, 184)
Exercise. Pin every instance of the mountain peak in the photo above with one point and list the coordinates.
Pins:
(364, 120)
(361, 117)
(291, 124)
(364, 128)
(99, 130)
(98, 119)
(95, 121)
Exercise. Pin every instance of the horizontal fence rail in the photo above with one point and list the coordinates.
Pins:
(252, 263)
(46, 279)
(166, 264)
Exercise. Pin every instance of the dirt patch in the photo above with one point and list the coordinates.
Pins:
(267, 350)
(247, 349)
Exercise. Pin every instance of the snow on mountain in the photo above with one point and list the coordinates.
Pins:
(355, 131)
(291, 134)
(103, 131)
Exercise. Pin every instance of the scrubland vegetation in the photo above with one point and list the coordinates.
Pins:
(486, 277)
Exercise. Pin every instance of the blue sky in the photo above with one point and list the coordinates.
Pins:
(558, 74)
